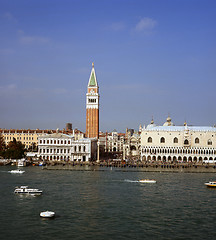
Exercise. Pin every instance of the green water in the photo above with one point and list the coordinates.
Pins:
(107, 204)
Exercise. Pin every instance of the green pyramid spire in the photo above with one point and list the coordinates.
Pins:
(92, 79)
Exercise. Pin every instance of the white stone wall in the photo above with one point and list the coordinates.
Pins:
(64, 147)
(191, 144)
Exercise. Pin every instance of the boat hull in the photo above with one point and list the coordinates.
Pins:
(147, 181)
(47, 214)
(210, 185)
(28, 193)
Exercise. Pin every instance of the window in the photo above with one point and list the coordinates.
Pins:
(209, 142)
(75, 149)
(47, 141)
(83, 148)
(149, 140)
(162, 140)
(186, 142)
(175, 140)
(79, 148)
(196, 140)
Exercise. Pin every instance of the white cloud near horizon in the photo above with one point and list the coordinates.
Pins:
(145, 24)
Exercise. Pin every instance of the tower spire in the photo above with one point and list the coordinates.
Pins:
(92, 106)
(92, 79)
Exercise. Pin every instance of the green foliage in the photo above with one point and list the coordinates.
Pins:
(14, 150)
(2, 145)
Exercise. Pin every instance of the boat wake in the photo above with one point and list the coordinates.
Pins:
(131, 181)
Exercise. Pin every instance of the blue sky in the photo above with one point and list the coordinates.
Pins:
(152, 58)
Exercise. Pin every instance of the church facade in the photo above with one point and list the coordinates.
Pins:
(169, 143)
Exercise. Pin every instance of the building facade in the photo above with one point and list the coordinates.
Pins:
(132, 145)
(92, 106)
(29, 137)
(62, 147)
(169, 143)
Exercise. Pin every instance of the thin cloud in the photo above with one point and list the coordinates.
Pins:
(145, 24)
(8, 16)
(25, 39)
(117, 26)
(33, 39)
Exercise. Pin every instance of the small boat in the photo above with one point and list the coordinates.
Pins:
(21, 162)
(17, 171)
(211, 184)
(26, 190)
(47, 214)
(147, 181)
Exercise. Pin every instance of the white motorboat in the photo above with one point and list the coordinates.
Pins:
(26, 190)
(147, 181)
(17, 171)
(211, 184)
(47, 214)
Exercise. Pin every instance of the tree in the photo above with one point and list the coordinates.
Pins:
(2, 146)
(15, 149)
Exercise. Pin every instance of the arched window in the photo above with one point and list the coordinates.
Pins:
(186, 142)
(209, 142)
(196, 140)
(162, 140)
(149, 140)
(175, 140)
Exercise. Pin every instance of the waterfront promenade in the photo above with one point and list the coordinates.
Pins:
(152, 167)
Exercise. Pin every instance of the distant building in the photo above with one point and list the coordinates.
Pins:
(62, 147)
(68, 126)
(29, 137)
(169, 143)
(114, 141)
(124, 145)
(132, 145)
(92, 106)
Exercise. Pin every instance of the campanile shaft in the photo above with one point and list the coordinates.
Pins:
(92, 106)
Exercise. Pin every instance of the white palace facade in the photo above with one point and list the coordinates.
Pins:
(169, 143)
(63, 147)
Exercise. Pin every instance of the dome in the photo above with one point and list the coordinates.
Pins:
(168, 122)
(151, 125)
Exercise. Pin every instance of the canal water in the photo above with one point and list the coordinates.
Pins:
(107, 204)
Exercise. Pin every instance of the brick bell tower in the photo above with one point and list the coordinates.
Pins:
(92, 106)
